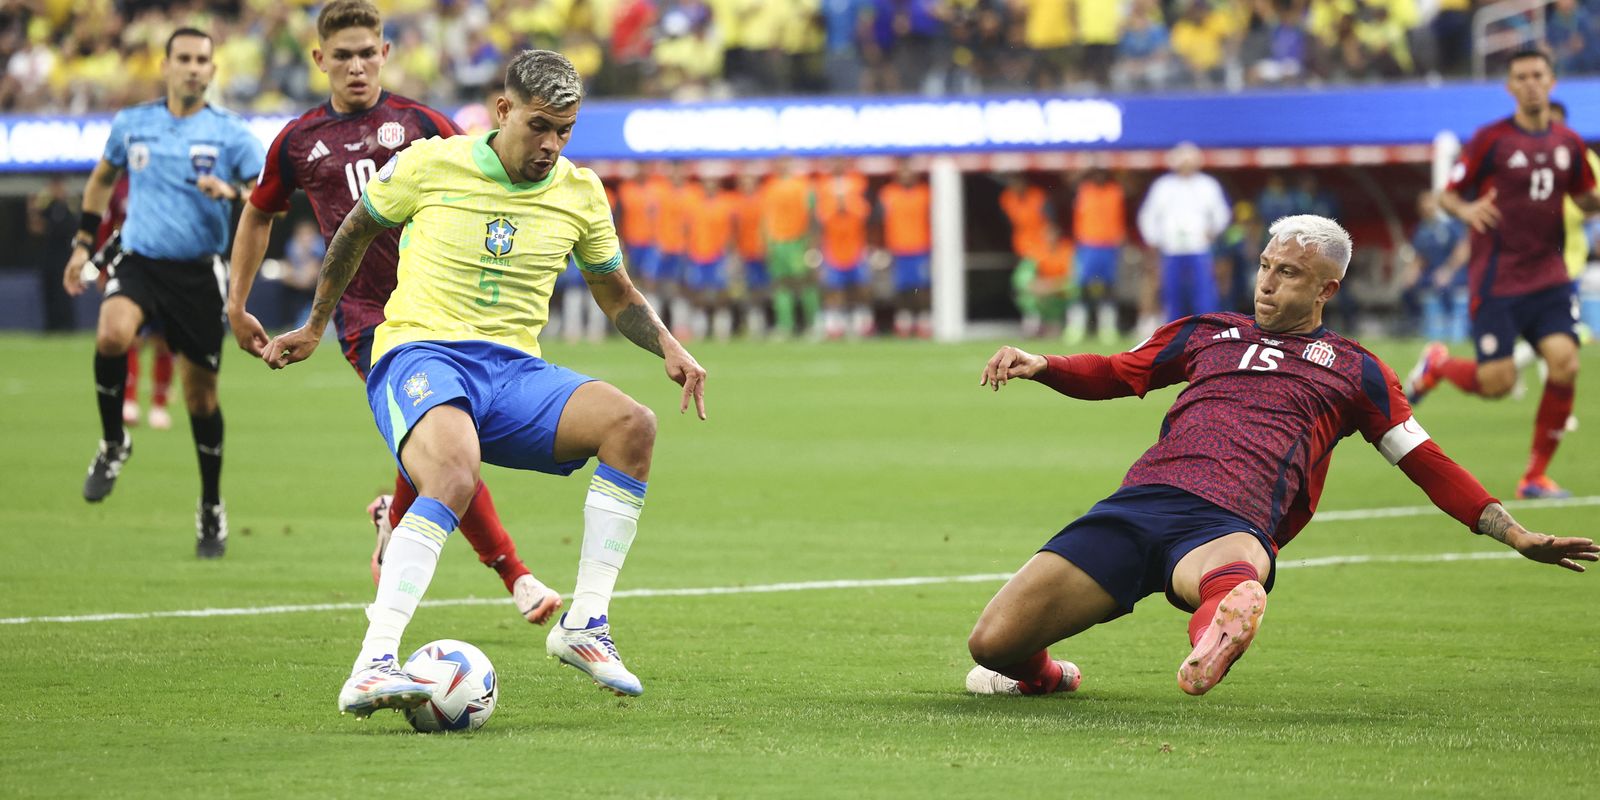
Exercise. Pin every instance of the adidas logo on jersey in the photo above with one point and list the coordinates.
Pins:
(1231, 333)
(318, 150)
(1519, 159)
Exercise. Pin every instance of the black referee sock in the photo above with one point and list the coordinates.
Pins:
(208, 446)
(110, 384)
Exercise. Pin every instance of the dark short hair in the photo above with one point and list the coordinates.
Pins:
(1532, 52)
(544, 75)
(341, 14)
(1557, 105)
(185, 32)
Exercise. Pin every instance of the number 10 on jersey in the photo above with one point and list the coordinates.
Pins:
(357, 173)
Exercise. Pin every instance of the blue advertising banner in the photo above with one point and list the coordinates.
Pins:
(870, 126)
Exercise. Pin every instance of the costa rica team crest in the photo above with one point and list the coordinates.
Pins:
(1319, 353)
(391, 135)
(499, 237)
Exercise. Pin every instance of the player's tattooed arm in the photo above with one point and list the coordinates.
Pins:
(627, 309)
(640, 324)
(349, 244)
(1562, 551)
(631, 313)
(1496, 522)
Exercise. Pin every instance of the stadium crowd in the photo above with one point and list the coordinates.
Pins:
(75, 56)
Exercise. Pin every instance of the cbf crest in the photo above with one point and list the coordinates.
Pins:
(1319, 353)
(499, 237)
(416, 388)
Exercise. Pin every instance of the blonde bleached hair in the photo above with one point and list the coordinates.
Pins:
(1324, 236)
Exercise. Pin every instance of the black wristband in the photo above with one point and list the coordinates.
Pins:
(89, 222)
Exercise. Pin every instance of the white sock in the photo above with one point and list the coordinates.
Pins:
(610, 523)
(681, 314)
(1106, 320)
(408, 565)
(755, 322)
(722, 324)
(1077, 319)
(861, 321)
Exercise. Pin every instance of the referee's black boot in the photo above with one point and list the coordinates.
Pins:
(211, 535)
(106, 466)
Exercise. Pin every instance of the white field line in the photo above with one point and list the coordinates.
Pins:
(1423, 511)
(802, 586)
(991, 577)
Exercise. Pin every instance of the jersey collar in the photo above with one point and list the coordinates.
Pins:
(489, 163)
(383, 96)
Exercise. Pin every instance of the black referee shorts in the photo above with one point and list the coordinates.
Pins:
(185, 298)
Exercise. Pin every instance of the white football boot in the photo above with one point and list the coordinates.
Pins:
(982, 680)
(381, 684)
(591, 650)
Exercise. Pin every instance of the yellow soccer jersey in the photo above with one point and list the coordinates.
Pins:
(1576, 250)
(479, 255)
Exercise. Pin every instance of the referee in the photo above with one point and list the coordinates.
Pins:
(187, 163)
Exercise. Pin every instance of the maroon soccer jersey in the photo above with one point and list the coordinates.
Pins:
(1531, 174)
(1253, 431)
(332, 156)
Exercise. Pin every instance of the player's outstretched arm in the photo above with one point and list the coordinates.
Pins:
(1010, 362)
(249, 247)
(631, 313)
(1564, 551)
(349, 244)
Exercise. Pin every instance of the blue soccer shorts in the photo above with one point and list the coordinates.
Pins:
(756, 277)
(1499, 321)
(1097, 265)
(835, 278)
(706, 277)
(911, 273)
(1130, 542)
(515, 399)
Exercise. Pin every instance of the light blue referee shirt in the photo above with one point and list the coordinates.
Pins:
(169, 217)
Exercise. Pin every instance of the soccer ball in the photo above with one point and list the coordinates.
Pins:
(463, 684)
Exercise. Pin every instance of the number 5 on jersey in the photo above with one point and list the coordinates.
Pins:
(486, 280)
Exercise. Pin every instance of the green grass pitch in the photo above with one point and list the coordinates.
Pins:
(863, 462)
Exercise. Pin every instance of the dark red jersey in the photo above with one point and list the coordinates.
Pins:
(332, 156)
(116, 212)
(1531, 174)
(1253, 431)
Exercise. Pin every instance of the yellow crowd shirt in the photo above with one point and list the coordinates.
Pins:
(479, 255)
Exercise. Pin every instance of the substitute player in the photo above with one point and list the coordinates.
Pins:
(1236, 473)
(187, 162)
(457, 378)
(906, 208)
(331, 152)
(1100, 227)
(1509, 187)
